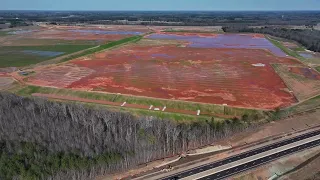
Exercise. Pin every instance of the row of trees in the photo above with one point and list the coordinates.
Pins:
(307, 37)
(193, 18)
(44, 139)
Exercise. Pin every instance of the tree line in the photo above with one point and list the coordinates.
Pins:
(186, 18)
(41, 139)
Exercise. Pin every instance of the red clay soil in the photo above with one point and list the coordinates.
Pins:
(206, 75)
(219, 76)
(258, 36)
(305, 72)
(136, 106)
(4, 74)
(289, 45)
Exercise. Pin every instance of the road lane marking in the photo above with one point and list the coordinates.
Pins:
(251, 158)
(237, 156)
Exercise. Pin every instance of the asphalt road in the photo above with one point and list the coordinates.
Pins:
(240, 156)
(259, 162)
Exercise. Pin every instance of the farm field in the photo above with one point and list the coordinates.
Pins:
(66, 34)
(16, 56)
(25, 46)
(203, 68)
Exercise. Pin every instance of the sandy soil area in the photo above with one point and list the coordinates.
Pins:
(5, 82)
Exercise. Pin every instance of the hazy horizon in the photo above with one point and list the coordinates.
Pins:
(57, 10)
(163, 5)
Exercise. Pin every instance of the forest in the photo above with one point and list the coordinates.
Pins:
(307, 37)
(173, 18)
(41, 139)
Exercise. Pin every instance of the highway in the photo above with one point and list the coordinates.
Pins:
(245, 155)
(259, 162)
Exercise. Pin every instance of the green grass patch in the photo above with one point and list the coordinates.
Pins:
(284, 49)
(103, 47)
(304, 106)
(167, 115)
(298, 49)
(4, 33)
(12, 56)
(318, 68)
(28, 90)
(182, 105)
(51, 42)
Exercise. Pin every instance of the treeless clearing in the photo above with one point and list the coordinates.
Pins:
(136, 106)
(304, 82)
(97, 33)
(60, 76)
(5, 82)
(207, 75)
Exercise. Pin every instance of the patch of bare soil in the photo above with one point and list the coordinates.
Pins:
(306, 170)
(288, 125)
(5, 82)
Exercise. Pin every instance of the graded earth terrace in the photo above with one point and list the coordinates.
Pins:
(224, 69)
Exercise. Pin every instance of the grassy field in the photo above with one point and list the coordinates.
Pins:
(103, 47)
(47, 42)
(28, 90)
(181, 105)
(162, 115)
(4, 33)
(299, 49)
(304, 107)
(12, 56)
(318, 68)
(284, 49)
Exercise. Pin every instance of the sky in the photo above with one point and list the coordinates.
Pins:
(207, 5)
